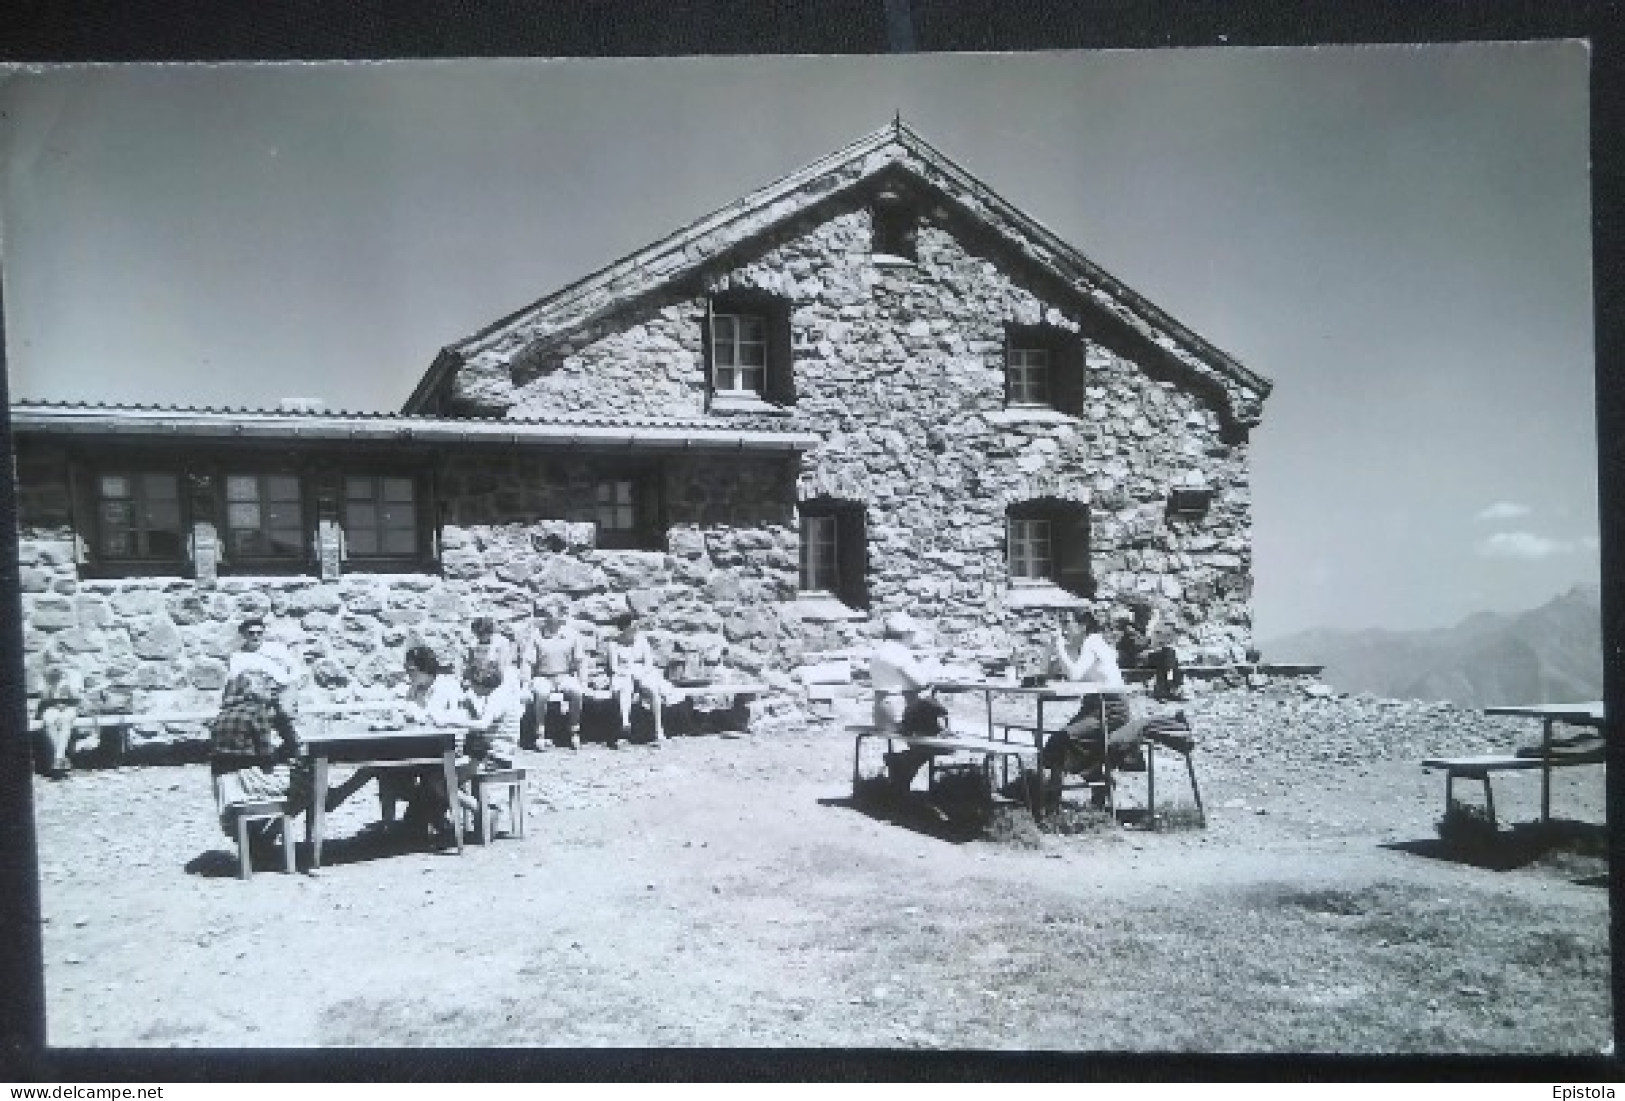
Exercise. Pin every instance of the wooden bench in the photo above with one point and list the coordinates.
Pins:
(990, 749)
(1480, 767)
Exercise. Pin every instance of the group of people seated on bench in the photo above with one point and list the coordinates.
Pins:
(254, 744)
(902, 678)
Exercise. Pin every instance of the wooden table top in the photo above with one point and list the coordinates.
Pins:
(1589, 713)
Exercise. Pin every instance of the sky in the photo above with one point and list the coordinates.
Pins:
(1397, 237)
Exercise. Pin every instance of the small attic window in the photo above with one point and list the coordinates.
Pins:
(1189, 502)
(896, 226)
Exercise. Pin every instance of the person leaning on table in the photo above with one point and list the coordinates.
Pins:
(900, 678)
(1084, 656)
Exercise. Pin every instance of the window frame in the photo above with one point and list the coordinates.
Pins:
(98, 561)
(647, 507)
(1066, 533)
(739, 318)
(421, 556)
(1062, 372)
(772, 311)
(234, 562)
(848, 527)
(1028, 383)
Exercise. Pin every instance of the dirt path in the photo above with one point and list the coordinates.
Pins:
(723, 892)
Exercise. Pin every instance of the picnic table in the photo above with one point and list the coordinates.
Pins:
(352, 743)
(1479, 767)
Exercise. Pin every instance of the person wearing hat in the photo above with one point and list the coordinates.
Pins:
(900, 679)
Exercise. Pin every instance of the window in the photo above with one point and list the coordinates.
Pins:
(138, 517)
(834, 551)
(896, 229)
(738, 353)
(380, 517)
(1043, 367)
(1049, 542)
(1029, 376)
(747, 349)
(626, 508)
(1032, 548)
(264, 517)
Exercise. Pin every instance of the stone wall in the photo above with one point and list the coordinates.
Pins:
(148, 644)
(902, 368)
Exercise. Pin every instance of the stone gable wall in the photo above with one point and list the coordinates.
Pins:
(902, 369)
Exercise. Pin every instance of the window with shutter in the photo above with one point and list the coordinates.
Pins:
(834, 551)
(747, 349)
(1048, 542)
(1043, 368)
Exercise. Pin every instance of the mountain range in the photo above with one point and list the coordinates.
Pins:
(1550, 654)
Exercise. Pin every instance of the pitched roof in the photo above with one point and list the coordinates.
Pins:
(691, 248)
(563, 429)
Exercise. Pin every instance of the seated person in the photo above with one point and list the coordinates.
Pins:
(262, 655)
(554, 659)
(494, 708)
(488, 645)
(900, 678)
(1146, 643)
(433, 698)
(253, 748)
(60, 699)
(632, 670)
(1085, 657)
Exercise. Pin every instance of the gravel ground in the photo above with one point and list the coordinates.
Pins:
(725, 891)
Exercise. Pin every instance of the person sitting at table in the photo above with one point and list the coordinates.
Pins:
(1146, 643)
(1085, 657)
(432, 698)
(254, 748)
(494, 709)
(632, 670)
(900, 678)
(554, 659)
(60, 698)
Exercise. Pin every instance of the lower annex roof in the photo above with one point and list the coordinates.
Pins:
(562, 430)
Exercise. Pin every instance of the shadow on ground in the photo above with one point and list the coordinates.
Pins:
(1576, 849)
(377, 841)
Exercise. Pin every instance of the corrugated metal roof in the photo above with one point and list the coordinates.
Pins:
(564, 428)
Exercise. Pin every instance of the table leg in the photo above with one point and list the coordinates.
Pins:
(1038, 740)
(1150, 783)
(455, 804)
(316, 823)
(1546, 771)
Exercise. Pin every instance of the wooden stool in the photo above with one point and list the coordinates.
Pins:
(513, 779)
(259, 810)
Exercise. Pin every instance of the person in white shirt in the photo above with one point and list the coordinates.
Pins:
(260, 655)
(901, 678)
(1085, 657)
(632, 670)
